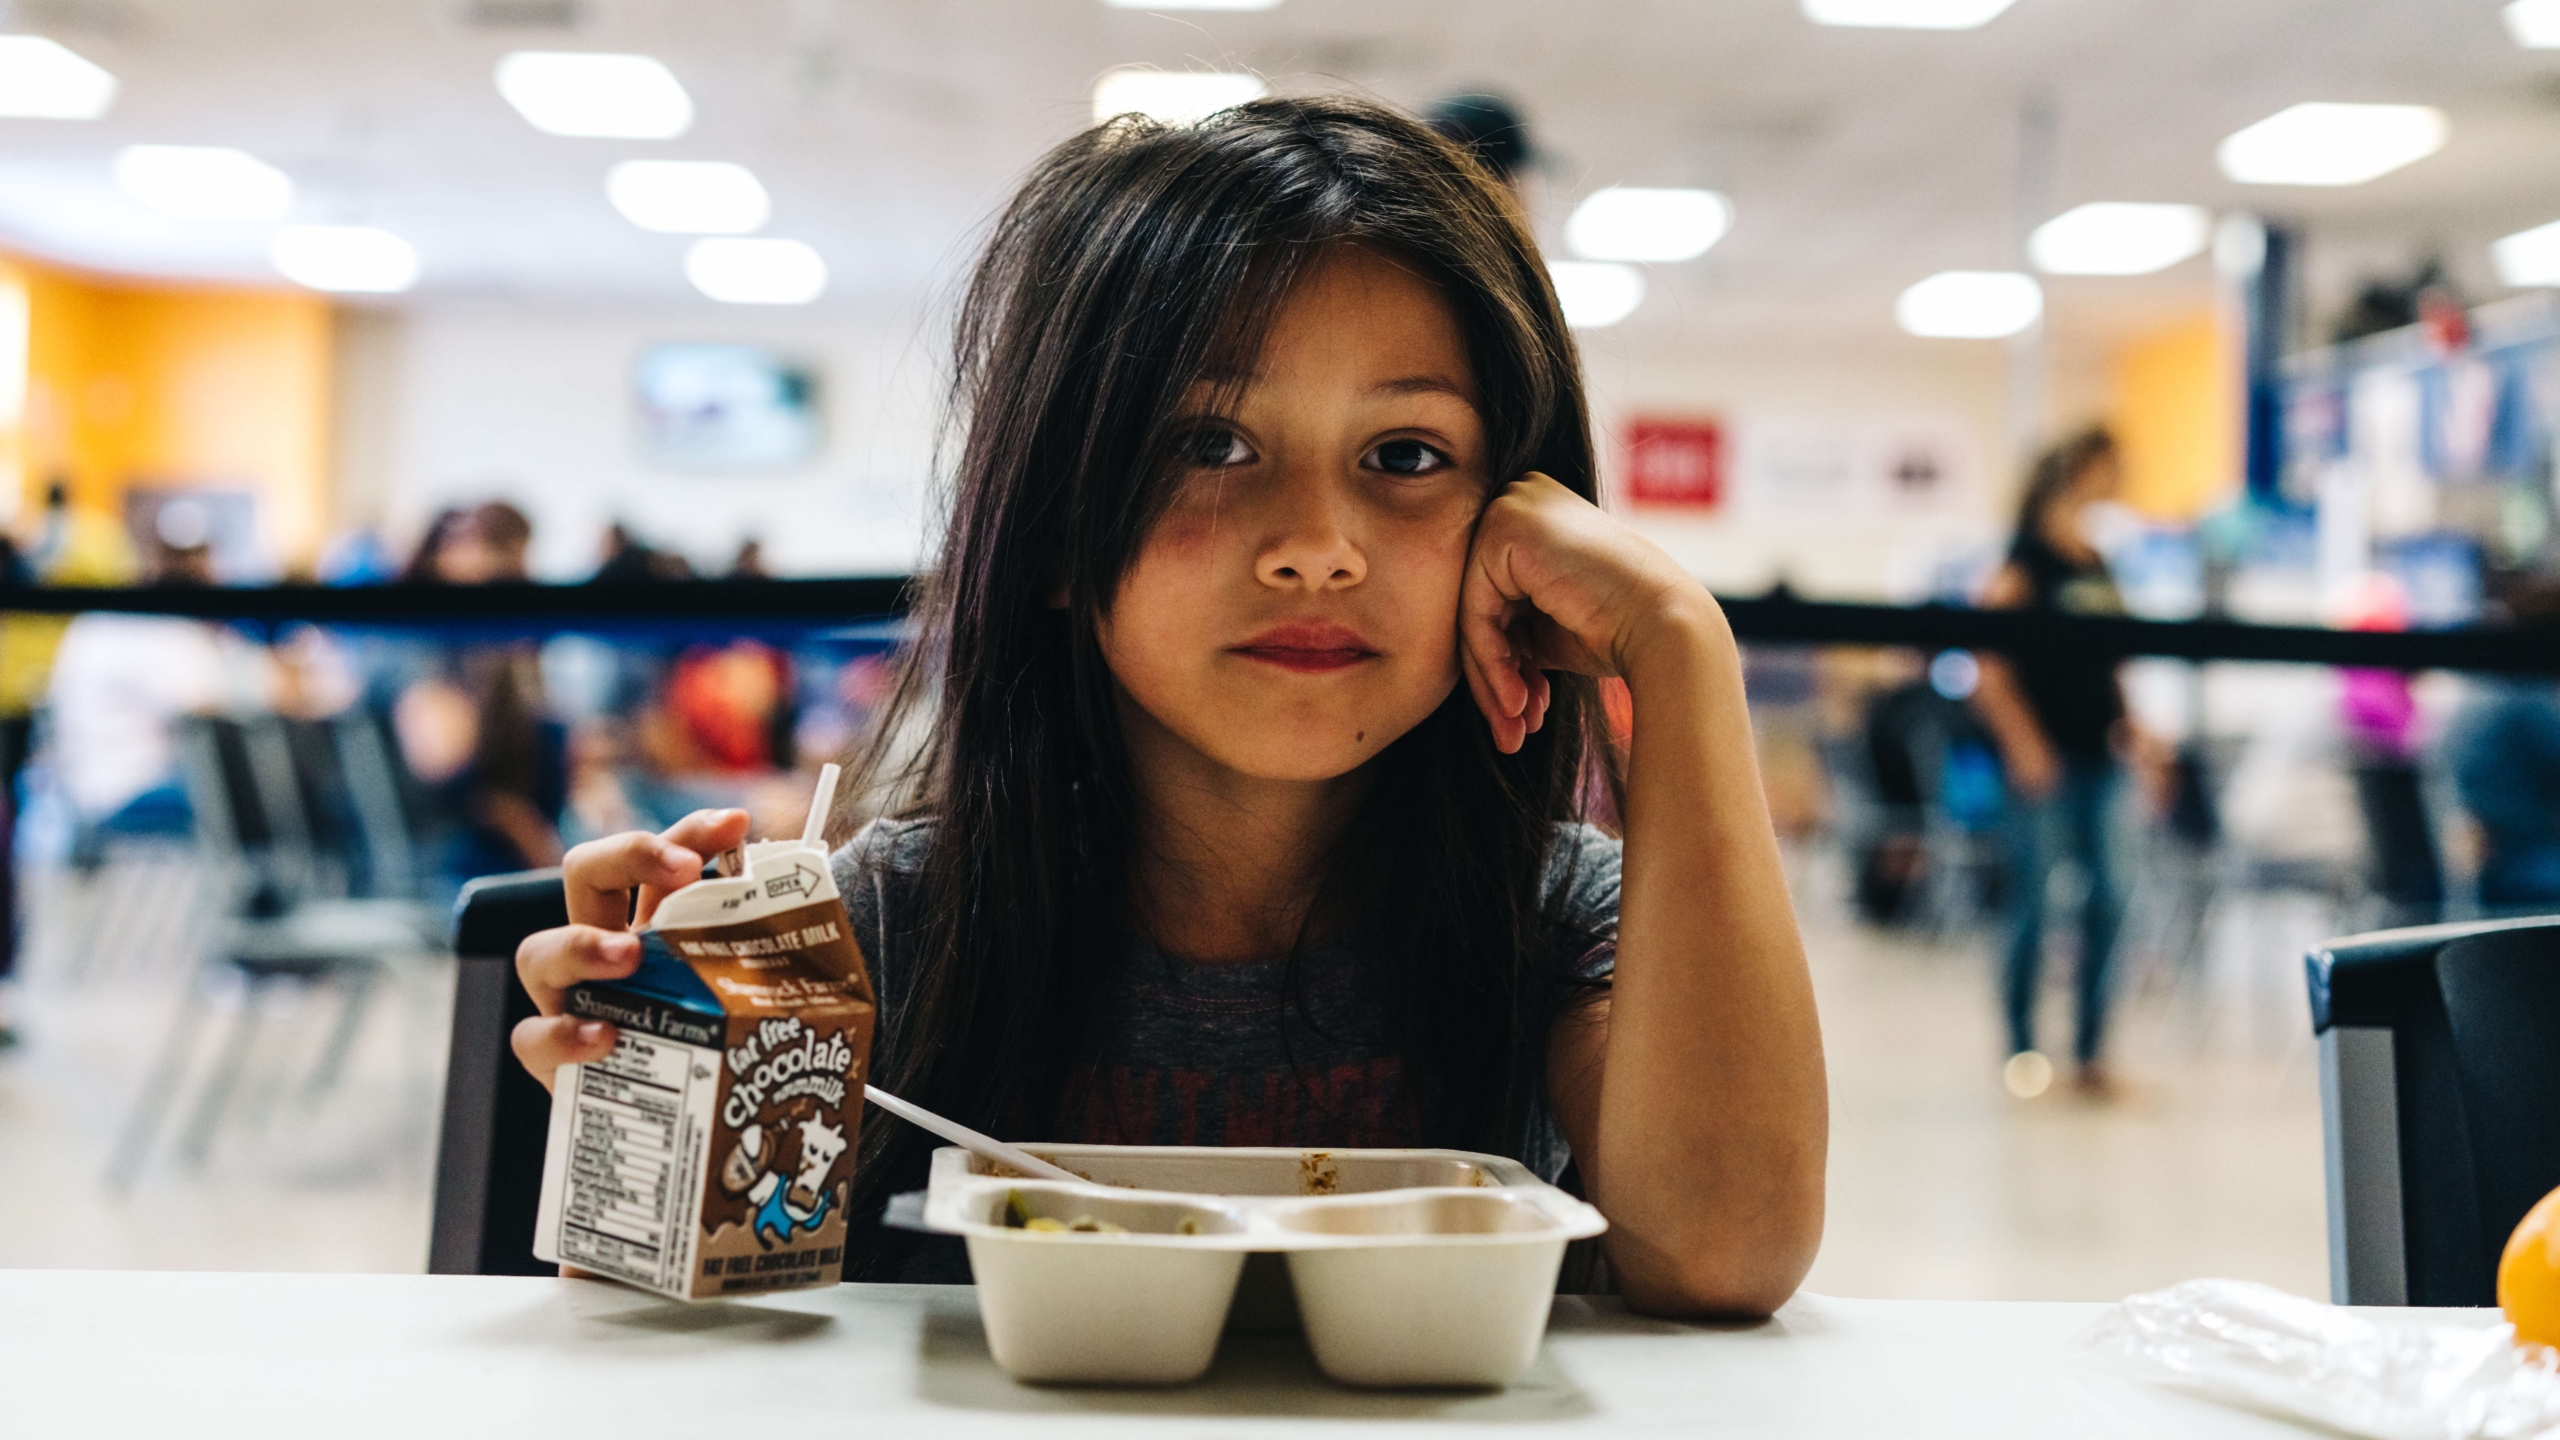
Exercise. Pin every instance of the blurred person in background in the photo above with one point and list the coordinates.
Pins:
(1490, 129)
(421, 569)
(2378, 714)
(2504, 750)
(77, 546)
(358, 557)
(2058, 718)
(629, 561)
(748, 563)
(120, 683)
(731, 708)
(65, 547)
(473, 728)
(473, 546)
(26, 661)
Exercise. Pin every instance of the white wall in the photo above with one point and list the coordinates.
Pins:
(457, 404)
(1825, 546)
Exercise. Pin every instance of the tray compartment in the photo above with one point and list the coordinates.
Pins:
(1427, 1288)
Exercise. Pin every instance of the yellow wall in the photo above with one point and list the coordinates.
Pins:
(2174, 401)
(135, 384)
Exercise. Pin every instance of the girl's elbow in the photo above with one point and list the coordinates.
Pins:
(1714, 1292)
(1727, 1281)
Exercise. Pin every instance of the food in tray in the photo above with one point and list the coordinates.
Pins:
(1018, 1216)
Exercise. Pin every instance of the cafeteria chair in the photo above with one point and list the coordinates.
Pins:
(496, 1116)
(2439, 1078)
(264, 795)
(2406, 870)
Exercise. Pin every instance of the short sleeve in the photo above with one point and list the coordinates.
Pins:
(877, 875)
(1582, 891)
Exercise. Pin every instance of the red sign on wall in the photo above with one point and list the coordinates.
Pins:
(1675, 462)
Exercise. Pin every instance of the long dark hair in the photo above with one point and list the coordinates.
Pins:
(1137, 258)
(2055, 471)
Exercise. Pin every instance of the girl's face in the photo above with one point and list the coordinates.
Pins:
(1296, 608)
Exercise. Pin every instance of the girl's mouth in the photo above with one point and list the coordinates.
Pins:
(1307, 649)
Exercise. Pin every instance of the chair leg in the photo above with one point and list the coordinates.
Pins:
(198, 1140)
(159, 1090)
(360, 984)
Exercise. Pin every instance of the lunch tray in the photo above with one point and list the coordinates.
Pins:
(1410, 1267)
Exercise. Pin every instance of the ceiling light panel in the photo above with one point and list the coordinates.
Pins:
(41, 79)
(1176, 97)
(1626, 222)
(619, 97)
(1905, 14)
(688, 197)
(1970, 305)
(756, 272)
(352, 259)
(2331, 144)
(1596, 293)
(2113, 237)
(2529, 257)
(1193, 4)
(203, 182)
(2535, 24)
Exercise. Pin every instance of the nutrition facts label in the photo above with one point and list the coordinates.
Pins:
(638, 1122)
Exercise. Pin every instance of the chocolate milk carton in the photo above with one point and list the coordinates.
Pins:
(711, 1152)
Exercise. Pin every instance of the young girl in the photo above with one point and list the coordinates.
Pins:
(1273, 437)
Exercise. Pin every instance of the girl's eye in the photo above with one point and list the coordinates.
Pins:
(1217, 449)
(1408, 457)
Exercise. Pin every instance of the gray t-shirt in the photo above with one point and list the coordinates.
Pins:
(1246, 1053)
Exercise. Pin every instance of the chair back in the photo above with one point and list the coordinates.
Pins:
(2439, 1075)
(384, 827)
(496, 1117)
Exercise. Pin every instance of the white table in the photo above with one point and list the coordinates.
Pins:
(101, 1353)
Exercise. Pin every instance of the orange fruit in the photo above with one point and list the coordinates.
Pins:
(2529, 1274)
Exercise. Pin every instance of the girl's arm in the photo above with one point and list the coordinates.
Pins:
(1693, 1094)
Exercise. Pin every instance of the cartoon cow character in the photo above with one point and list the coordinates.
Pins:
(801, 1206)
(745, 1162)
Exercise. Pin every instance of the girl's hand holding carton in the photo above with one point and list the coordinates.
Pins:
(708, 1150)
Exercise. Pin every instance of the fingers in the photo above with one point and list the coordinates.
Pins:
(601, 874)
(708, 832)
(705, 833)
(544, 1043)
(550, 961)
(1481, 689)
(1485, 648)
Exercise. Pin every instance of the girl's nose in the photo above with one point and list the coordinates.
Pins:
(1309, 550)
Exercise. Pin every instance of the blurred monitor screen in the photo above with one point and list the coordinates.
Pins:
(716, 407)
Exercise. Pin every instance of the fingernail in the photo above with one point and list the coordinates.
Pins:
(591, 1032)
(621, 947)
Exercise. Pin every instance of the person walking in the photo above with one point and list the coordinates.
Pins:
(2058, 717)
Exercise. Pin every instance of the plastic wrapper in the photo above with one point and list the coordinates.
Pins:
(2258, 1347)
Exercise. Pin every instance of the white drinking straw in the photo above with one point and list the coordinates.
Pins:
(815, 832)
(970, 1140)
